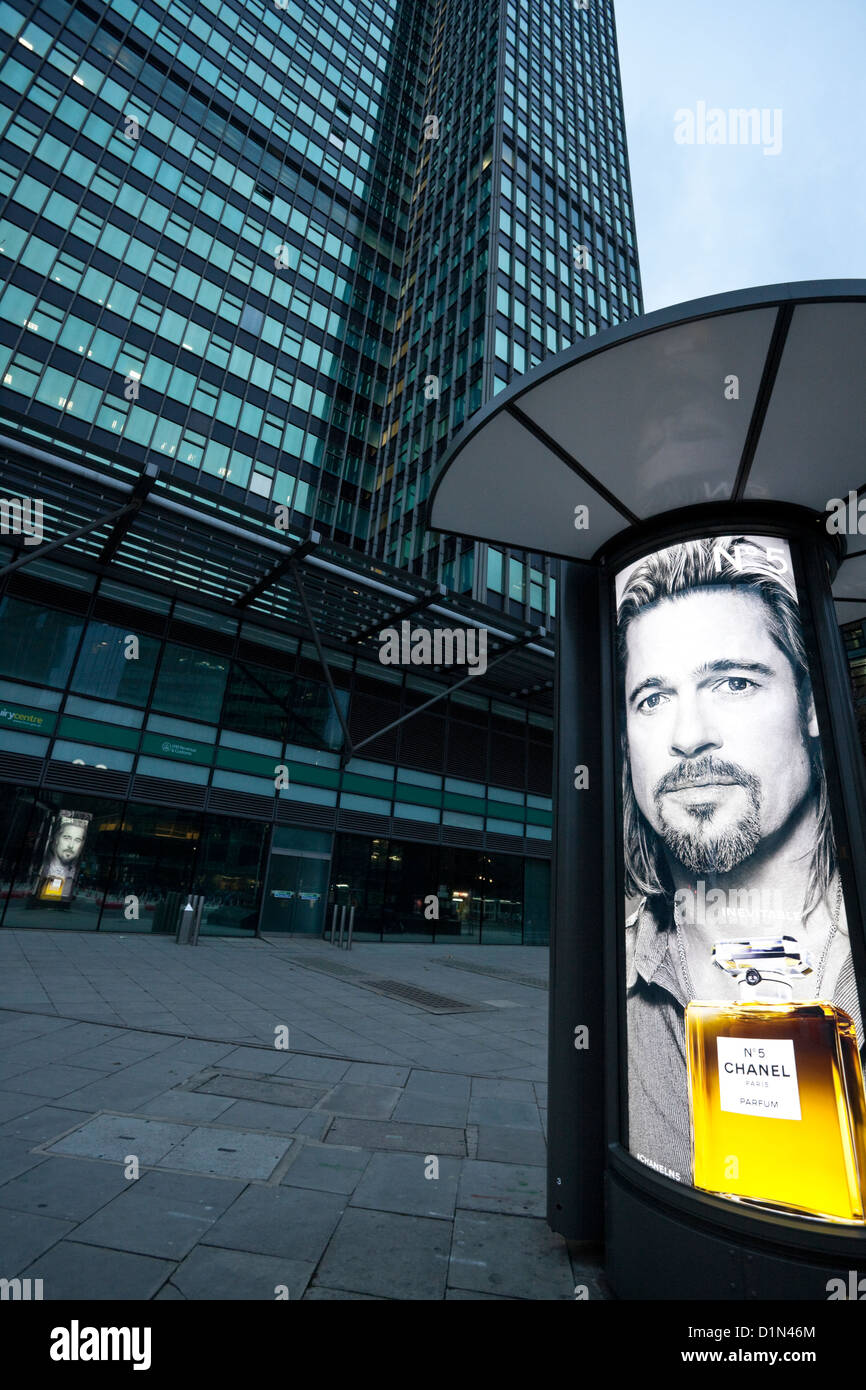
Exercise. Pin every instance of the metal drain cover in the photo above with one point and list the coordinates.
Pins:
(513, 977)
(391, 989)
(423, 998)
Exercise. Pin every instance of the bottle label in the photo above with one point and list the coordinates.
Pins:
(758, 1076)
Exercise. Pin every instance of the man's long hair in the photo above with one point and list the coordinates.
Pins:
(729, 563)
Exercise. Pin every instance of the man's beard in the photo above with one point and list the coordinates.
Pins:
(699, 849)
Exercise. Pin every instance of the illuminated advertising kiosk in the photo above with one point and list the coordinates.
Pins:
(697, 471)
(56, 878)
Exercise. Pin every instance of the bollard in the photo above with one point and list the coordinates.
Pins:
(351, 927)
(189, 920)
(333, 926)
(342, 926)
(199, 909)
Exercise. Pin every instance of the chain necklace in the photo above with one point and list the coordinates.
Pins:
(819, 978)
(690, 989)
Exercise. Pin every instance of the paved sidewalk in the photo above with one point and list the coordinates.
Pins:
(394, 1149)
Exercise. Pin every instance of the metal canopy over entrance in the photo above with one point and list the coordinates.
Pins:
(148, 530)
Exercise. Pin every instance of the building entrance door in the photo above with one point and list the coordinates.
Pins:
(295, 893)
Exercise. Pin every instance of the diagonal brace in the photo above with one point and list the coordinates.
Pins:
(66, 540)
(296, 553)
(140, 493)
(302, 595)
(500, 656)
(417, 606)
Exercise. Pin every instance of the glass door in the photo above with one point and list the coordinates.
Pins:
(295, 894)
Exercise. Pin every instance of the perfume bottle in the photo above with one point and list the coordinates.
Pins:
(778, 1113)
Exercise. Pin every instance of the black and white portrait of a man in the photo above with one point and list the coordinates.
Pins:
(727, 829)
(62, 859)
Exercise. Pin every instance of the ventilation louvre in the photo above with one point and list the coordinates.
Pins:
(416, 830)
(513, 844)
(361, 821)
(167, 792)
(20, 767)
(241, 804)
(460, 835)
(299, 813)
(91, 781)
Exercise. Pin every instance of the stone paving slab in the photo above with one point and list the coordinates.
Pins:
(503, 1145)
(315, 1068)
(208, 1273)
(363, 1102)
(41, 1124)
(511, 1255)
(315, 1125)
(289, 1222)
(403, 1257)
(417, 1108)
(397, 1182)
(70, 1190)
(321, 1294)
(251, 1114)
(374, 1074)
(326, 1168)
(515, 1114)
(69, 1268)
(445, 1084)
(272, 1090)
(50, 1081)
(496, 1088)
(108, 1057)
(516, 1189)
(116, 1092)
(16, 1157)
(186, 1106)
(471, 1295)
(389, 1135)
(24, 1236)
(13, 1104)
(251, 1059)
(162, 1214)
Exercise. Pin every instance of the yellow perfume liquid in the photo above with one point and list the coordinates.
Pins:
(777, 1105)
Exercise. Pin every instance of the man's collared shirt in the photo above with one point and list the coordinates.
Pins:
(658, 1103)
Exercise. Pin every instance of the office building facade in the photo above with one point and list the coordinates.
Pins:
(261, 262)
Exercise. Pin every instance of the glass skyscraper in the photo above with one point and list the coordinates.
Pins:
(283, 252)
(521, 241)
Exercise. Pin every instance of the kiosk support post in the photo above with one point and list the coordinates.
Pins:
(577, 1114)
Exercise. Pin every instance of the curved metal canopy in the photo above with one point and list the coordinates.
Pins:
(755, 395)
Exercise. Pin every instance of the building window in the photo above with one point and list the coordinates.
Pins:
(191, 680)
(39, 644)
(115, 665)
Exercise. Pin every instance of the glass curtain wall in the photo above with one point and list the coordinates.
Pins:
(409, 891)
(134, 864)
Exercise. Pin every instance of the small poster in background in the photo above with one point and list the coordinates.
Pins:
(61, 861)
